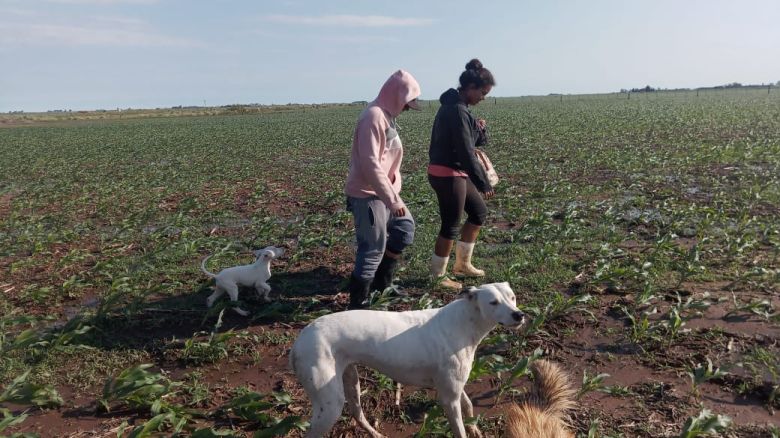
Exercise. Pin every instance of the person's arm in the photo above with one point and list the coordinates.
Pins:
(482, 135)
(370, 138)
(465, 149)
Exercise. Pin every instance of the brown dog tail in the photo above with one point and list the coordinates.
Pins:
(552, 391)
(542, 414)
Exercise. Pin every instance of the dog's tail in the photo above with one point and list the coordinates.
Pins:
(542, 414)
(552, 391)
(203, 267)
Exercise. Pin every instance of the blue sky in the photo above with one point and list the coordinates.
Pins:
(89, 54)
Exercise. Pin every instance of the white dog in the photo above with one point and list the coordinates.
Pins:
(431, 348)
(256, 274)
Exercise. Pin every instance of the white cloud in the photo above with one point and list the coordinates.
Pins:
(104, 2)
(350, 20)
(95, 31)
(64, 35)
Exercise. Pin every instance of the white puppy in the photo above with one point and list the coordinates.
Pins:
(431, 348)
(256, 274)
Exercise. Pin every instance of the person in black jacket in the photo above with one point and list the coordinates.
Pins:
(456, 176)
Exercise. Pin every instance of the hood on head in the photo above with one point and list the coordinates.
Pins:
(449, 97)
(397, 91)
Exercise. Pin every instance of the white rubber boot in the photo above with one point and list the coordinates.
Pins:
(438, 271)
(463, 266)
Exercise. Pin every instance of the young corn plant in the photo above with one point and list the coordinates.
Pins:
(484, 366)
(39, 340)
(591, 383)
(135, 387)
(642, 328)
(534, 326)
(705, 423)
(211, 433)
(21, 392)
(593, 429)
(681, 312)
(691, 265)
(520, 369)
(154, 426)
(702, 373)
(618, 391)
(382, 300)
(673, 325)
(258, 409)
(9, 419)
(214, 349)
(560, 306)
(762, 308)
(434, 423)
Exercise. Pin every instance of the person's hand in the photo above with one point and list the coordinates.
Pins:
(488, 195)
(400, 212)
(481, 124)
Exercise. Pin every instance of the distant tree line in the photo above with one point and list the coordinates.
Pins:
(648, 88)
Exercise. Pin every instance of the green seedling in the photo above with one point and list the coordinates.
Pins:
(593, 429)
(383, 300)
(618, 391)
(484, 366)
(702, 373)
(136, 387)
(705, 423)
(210, 351)
(434, 423)
(42, 339)
(153, 426)
(520, 369)
(24, 393)
(560, 306)
(591, 383)
(282, 427)
(211, 433)
(760, 307)
(258, 409)
(9, 419)
(642, 328)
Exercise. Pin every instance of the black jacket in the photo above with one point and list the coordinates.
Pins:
(454, 136)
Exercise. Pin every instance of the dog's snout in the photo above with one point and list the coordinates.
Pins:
(518, 315)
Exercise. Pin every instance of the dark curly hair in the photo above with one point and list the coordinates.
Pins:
(476, 75)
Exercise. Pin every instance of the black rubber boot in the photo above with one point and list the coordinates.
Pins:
(358, 292)
(384, 276)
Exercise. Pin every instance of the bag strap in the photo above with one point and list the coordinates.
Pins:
(481, 157)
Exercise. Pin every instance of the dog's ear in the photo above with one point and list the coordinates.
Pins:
(468, 292)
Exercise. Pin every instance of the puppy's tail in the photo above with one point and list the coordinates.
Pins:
(203, 267)
(552, 391)
(541, 415)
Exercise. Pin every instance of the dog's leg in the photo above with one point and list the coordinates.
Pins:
(468, 412)
(450, 402)
(263, 289)
(218, 292)
(352, 393)
(232, 291)
(326, 392)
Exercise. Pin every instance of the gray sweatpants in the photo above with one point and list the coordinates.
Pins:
(377, 229)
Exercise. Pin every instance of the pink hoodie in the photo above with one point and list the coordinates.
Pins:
(375, 164)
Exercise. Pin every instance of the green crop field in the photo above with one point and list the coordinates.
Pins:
(640, 235)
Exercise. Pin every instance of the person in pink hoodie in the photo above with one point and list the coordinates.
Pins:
(384, 227)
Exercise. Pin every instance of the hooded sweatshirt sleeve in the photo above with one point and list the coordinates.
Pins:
(370, 140)
(464, 148)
